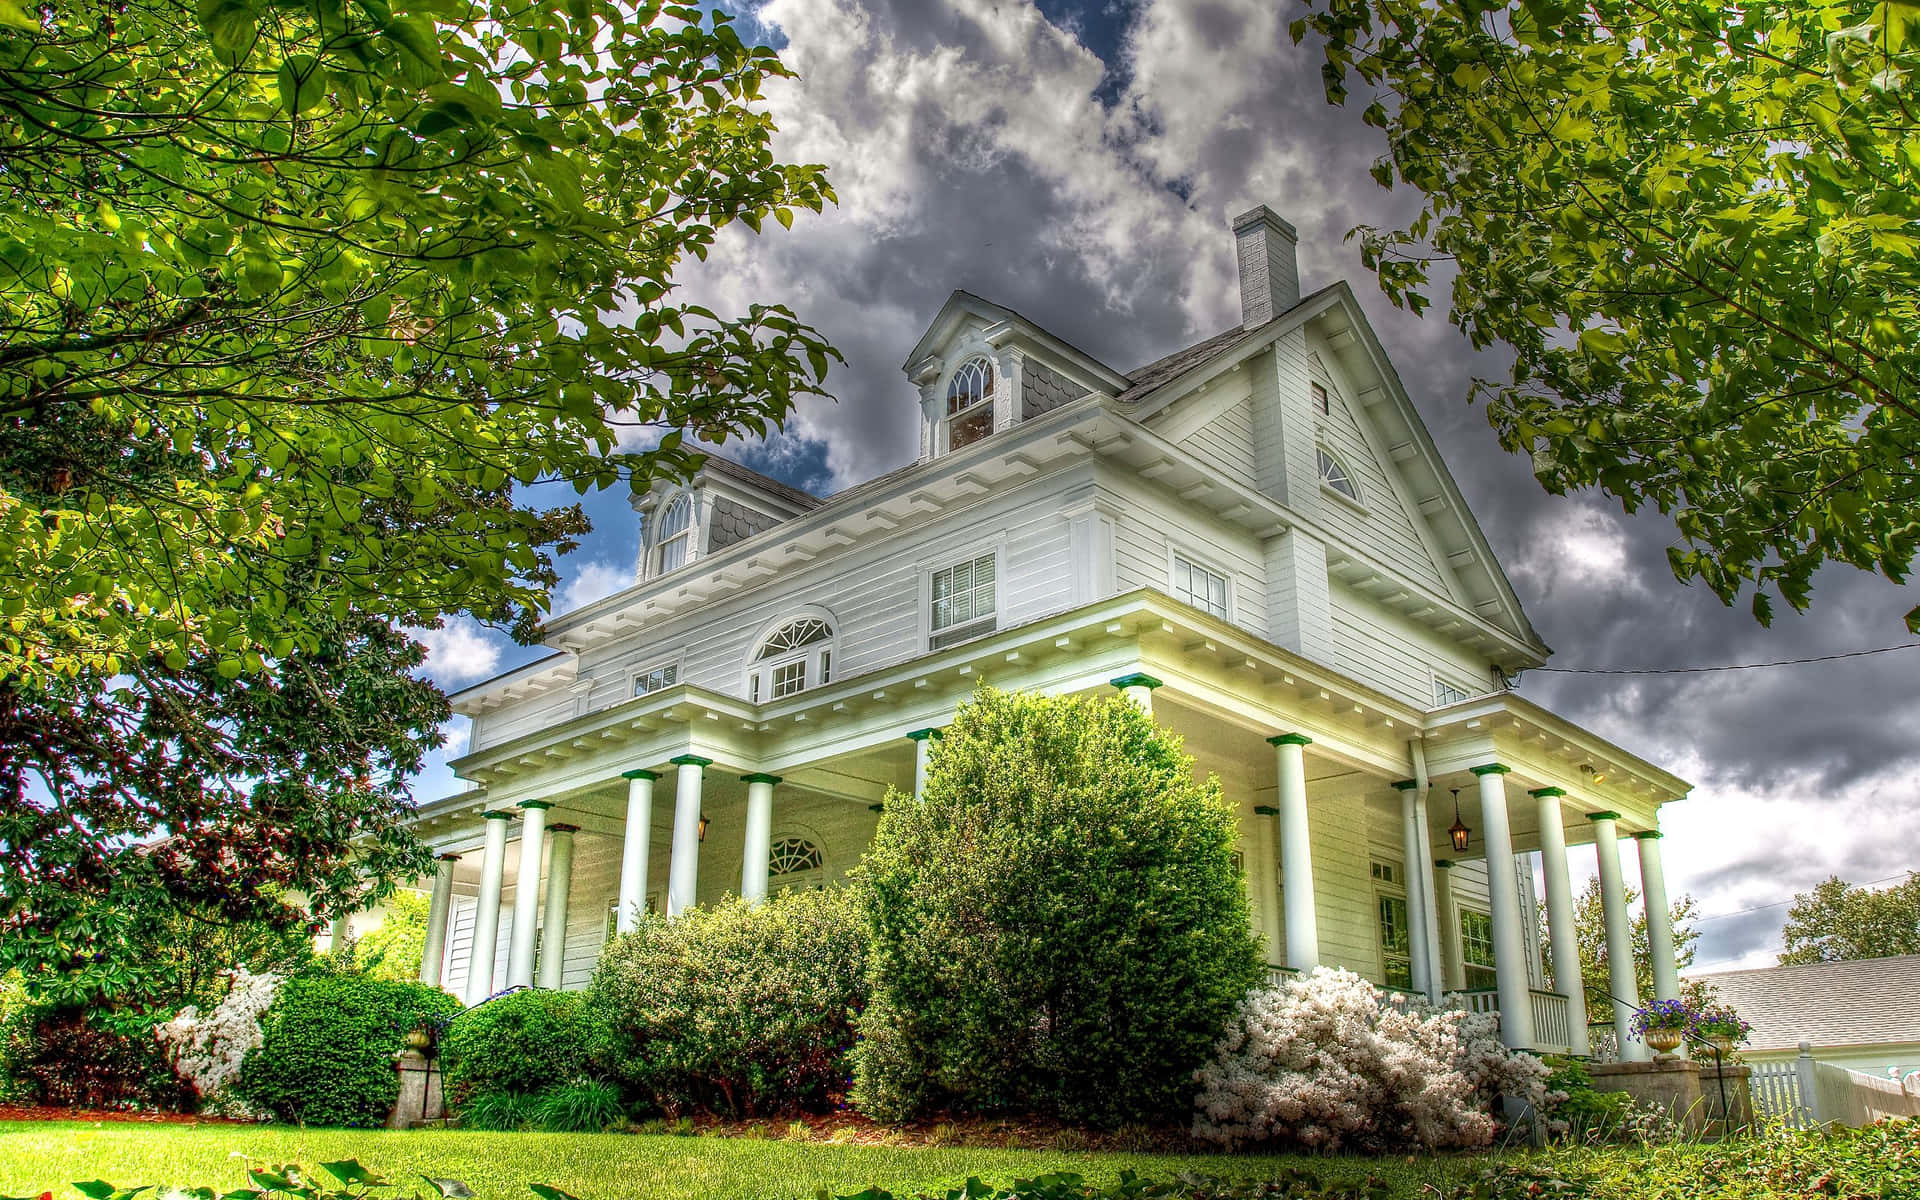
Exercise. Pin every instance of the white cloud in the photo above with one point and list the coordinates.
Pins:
(1581, 547)
(595, 580)
(460, 651)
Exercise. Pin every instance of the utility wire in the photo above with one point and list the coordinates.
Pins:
(1753, 666)
(1741, 912)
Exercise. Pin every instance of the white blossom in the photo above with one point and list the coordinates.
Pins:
(208, 1051)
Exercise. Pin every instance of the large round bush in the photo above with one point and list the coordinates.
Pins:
(736, 1009)
(327, 1048)
(1056, 925)
(522, 1043)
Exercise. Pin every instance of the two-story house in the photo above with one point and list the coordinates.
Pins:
(1253, 538)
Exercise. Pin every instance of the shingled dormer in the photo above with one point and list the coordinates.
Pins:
(722, 504)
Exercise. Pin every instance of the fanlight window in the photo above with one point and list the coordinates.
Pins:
(795, 657)
(792, 855)
(792, 637)
(1334, 475)
(970, 403)
(675, 535)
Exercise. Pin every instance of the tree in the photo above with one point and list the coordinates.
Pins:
(1056, 923)
(300, 303)
(392, 949)
(1693, 224)
(1590, 932)
(1837, 920)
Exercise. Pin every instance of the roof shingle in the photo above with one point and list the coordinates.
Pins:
(1862, 1002)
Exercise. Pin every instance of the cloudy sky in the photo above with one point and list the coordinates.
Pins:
(1080, 162)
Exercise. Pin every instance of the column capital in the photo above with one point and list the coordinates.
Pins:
(497, 814)
(759, 777)
(1443, 864)
(921, 735)
(1265, 810)
(446, 858)
(563, 828)
(1603, 816)
(1290, 739)
(1545, 792)
(533, 804)
(1647, 835)
(1137, 679)
(639, 774)
(1492, 768)
(690, 760)
(1405, 785)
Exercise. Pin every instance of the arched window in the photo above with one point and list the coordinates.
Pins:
(1334, 475)
(675, 535)
(795, 862)
(796, 656)
(970, 403)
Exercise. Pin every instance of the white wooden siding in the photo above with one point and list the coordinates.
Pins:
(1149, 527)
(1226, 441)
(1376, 645)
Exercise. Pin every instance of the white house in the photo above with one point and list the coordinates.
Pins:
(1254, 538)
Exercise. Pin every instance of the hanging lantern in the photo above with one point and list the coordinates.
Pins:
(1458, 831)
(702, 827)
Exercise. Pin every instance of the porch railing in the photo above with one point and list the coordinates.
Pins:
(1277, 974)
(1552, 1016)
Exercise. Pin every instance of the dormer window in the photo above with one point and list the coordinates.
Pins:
(675, 535)
(1334, 476)
(796, 656)
(970, 403)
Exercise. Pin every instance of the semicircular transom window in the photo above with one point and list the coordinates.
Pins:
(970, 403)
(1333, 474)
(793, 658)
(792, 855)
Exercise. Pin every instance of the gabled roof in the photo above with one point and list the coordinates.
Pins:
(1011, 326)
(1145, 379)
(1864, 1002)
(754, 479)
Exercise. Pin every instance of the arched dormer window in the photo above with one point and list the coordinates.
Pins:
(1333, 474)
(970, 403)
(794, 657)
(674, 536)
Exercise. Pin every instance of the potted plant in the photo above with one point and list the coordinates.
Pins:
(1664, 1025)
(1722, 1028)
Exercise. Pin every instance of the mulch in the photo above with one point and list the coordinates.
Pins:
(43, 1112)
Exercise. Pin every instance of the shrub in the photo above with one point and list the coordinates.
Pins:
(499, 1112)
(524, 1042)
(328, 1044)
(736, 1009)
(1325, 1062)
(76, 1059)
(16, 1024)
(1057, 925)
(1580, 1112)
(208, 1051)
(589, 1106)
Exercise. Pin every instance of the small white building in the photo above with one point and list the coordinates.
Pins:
(1254, 538)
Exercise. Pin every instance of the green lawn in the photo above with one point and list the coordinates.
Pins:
(38, 1157)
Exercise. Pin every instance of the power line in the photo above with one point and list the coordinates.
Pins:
(1741, 912)
(1753, 666)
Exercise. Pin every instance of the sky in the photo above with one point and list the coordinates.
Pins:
(1080, 162)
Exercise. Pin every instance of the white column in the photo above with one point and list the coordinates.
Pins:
(1270, 853)
(486, 917)
(759, 844)
(1453, 972)
(526, 893)
(683, 873)
(1413, 856)
(1296, 852)
(339, 933)
(1560, 931)
(1653, 892)
(923, 740)
(439, 910)
(1138, 688)
(1622, 980)
(1430, 899)
(553, 935)
(1503, 891)
(633, 850)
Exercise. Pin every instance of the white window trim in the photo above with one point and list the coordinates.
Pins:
(1328, 489)
(696, 512)
(1466, 693)
(996, 546)
(634, 676)
(762, 669)
(1206, 564)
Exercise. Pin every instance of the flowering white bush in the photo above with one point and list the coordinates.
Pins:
(1326, 1061)
(208, 1051)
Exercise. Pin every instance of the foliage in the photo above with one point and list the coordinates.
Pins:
(393, 948)
(208, 1051)
(498, 1112)
(519, 1043)
(1574, 1107)
(586, 1106)
(1590, 934)
(1326, 1062)
(328, 1044)
(1693, 225)
(1665, 1014)
(1839, 921)
(349, 1181)
(16, 1022)
(737, 1009)
(72, 1058)
(1057, 923)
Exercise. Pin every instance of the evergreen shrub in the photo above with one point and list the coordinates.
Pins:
(522, 1042)
(74, 1058)
(328, 1045)
(737, 1009)
(1056, 925)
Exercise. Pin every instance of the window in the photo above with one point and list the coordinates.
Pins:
(1386, 873)
(1476, 948)
(1445, 693)
(795, 862)
(1322, 404)
(655, 678)
(962, 602)
(970, 403)
(675, 535)
(793, 658)
(1200, 587)
(1396, 953)
(1334, 476)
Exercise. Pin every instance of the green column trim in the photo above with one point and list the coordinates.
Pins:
(1603, 816)
(1492, 768)
(639, 775)
(1290, 739)
(563, 829)
(1445, 864)
(536, 804)
(1137, 679)
(1265, 810)
(1543, 793)
(497, 814)
(759, 777)
(921, 735)
(1405, 785)
(1647, 835)
(690, 760)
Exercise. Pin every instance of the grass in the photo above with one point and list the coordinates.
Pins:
(41, 1157)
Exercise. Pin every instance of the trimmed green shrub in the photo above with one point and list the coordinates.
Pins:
(328, 1044)
(589, 1106)
(735, 1009)
(499, 1112)
(523, 1042)
(1056, 926)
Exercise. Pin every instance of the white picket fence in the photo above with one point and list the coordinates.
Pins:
(1803, 1092)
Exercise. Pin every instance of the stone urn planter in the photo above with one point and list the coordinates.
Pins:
(419, 1040)
(1664, 1042)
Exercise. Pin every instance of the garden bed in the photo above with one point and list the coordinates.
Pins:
(45, 1112)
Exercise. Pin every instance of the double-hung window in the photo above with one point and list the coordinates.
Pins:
(1205, 590)
(654, 678)
(674, 536)
(962, 602)
(1476, 948)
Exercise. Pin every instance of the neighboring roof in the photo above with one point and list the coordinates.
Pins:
(1157, 372)
(1863, 1002)
(753, 478)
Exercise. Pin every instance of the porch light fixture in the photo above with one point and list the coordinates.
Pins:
(1592, 775)
(702, 827)
(1458, 831)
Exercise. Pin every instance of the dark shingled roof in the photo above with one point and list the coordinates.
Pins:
(1160, 370)
(1863, 1002)
(754, 479)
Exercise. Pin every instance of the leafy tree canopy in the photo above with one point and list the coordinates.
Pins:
(1694, 224)
(1837, 920)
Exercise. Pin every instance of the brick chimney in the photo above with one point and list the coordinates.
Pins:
(1269, 265)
